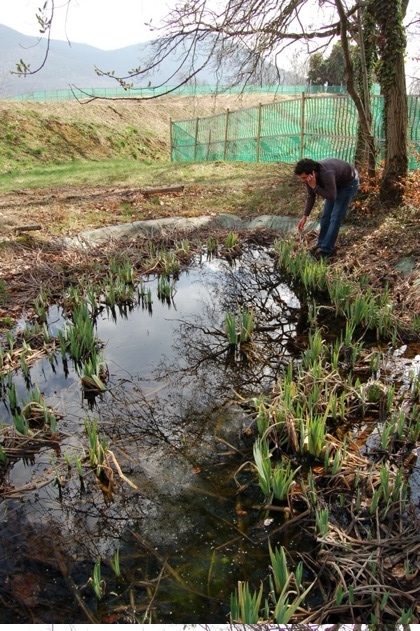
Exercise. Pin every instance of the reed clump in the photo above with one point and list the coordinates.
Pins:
(308, 464)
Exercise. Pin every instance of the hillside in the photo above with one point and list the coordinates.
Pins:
(33, 133)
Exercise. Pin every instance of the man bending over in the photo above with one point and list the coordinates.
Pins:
(336, 181)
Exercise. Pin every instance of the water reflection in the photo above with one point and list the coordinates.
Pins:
(170, 419)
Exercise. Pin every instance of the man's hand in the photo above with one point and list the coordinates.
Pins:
(302, 223)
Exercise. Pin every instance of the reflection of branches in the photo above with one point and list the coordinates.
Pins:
(202, 350)
(133, 414)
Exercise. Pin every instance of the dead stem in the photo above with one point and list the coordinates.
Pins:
(73, 588)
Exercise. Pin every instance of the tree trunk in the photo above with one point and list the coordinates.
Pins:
(364, 68)
(363, 108)
(392, 44)
(395, 123)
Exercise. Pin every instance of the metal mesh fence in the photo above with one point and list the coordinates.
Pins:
(286, 131)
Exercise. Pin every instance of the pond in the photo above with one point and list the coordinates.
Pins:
(171, 419)
(182, 518)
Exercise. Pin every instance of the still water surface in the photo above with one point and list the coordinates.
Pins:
(185, 536)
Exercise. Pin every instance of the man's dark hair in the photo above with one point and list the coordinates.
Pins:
(306, 166)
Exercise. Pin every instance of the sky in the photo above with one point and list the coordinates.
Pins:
(101, 23)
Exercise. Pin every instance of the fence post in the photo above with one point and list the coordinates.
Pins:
(226, 134)
(208, 146)
(259, 132)
(196, 138)
(302, 126)
(171, 138)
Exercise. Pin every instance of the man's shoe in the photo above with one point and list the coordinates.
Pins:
(313, 251)
(322, 254)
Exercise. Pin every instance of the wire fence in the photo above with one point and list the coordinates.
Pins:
(287, 130)
(187, 90)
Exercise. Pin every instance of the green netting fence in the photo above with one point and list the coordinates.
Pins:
(285, 131)
(173, 90)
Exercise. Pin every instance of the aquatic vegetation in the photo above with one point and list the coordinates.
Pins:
(246, 324)
(314, 277)
(94, 373)
(182, 250)
(244, 605)
(98, 584)
(165, 289)
(98, 454)
(72, 298)
(239, 326)
(118, 289)
(322, 518)
(41, 304)
(231, 240)
(263, 465)
(211, 246)
(310, 399)
(285, 597)
(21, 423)
(121, 271)
(38, 414)
(166, 262)
(24, 366)
(147, 298)
(12, 394)
(334, 465)
(350, 298)
(282, 479)
(115, 563)
(315, 350)
(78, 338)
(313, 434)
(230, 326)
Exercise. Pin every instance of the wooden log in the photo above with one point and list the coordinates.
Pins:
(19, 229)
(154, 190)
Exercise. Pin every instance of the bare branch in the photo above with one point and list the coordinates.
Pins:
(45, 19)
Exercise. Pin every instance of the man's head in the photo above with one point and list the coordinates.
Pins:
(306, 167)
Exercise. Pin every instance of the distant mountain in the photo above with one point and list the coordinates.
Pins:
(69, 64)
(74, 65)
